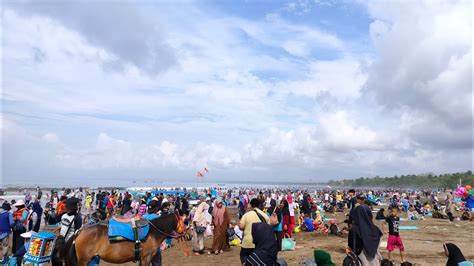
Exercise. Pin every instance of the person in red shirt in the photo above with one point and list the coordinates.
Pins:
(111, 204)
(61, 209)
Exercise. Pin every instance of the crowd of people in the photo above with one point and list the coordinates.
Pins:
(263, 220)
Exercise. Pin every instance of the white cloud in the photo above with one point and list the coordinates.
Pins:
(342, 133)
(298, 40)
(424, 67)
(245, 94)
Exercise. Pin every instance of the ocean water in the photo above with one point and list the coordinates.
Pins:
(128, 182)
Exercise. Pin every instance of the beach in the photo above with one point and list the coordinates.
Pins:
(423, 246)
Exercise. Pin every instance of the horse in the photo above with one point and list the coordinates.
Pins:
(93, 240)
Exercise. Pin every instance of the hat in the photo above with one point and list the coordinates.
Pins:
(6, 206)
(28, 234)
(19, 203)
(332, 222)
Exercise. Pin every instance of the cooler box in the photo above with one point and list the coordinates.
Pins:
(40, 248)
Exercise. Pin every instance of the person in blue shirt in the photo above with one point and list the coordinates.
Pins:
(405, 204)
(308, 223)
(469, 200)
(6, 223)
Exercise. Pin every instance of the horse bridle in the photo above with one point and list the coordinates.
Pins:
(178, 224)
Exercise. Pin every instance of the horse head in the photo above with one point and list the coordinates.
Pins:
(170, 224)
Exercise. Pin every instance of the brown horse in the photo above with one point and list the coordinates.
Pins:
(94, 241)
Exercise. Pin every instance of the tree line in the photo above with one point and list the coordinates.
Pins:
(429, 180)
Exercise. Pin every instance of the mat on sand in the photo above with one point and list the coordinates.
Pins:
(407, 227)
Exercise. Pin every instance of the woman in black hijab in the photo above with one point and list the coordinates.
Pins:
(366, 235)
(38, 213)
(266, 246)
(126, 204)
(454, 254)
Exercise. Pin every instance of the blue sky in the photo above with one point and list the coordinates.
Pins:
(253, 90)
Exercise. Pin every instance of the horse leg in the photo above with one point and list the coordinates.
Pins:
(145, 261)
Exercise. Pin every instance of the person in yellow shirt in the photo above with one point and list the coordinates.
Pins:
(338, 197)
(88, 202)
(254, 216)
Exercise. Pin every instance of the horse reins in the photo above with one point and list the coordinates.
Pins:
(166, 234)
(178, 236)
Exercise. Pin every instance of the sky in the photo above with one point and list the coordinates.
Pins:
(262, 91)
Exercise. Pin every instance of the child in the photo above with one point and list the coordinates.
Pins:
(333, 228)
(394, 240)
(308, 223)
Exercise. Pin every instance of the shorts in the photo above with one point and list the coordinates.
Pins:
(394, 242)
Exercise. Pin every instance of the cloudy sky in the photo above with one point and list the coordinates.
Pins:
(253, 90)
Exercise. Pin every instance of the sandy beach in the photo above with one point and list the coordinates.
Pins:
(423, 246)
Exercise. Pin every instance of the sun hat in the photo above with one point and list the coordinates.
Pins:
(19, 203)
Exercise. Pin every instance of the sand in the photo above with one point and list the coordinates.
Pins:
(423, 246)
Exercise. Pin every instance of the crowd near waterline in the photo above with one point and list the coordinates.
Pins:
(261, 222)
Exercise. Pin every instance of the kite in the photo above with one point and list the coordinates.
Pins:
(201, 173)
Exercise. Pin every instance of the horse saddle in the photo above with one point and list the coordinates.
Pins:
(128, 229)
(121, 228)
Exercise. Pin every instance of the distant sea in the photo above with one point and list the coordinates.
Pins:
(127, 182)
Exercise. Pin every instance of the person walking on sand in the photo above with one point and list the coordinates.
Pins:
(221, 222)
(394, 241)
(200, 223)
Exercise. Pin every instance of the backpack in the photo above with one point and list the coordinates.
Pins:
(274, 218)
(351, 260)
(307, 262)
(386, 262)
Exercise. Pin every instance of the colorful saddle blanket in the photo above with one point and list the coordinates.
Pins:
(120, 229)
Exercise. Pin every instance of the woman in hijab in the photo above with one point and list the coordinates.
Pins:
(454, 254)
(200, 224)
(365, 235)
(221, 221)
(287, 230)
(28, 198)
(241, 206)
(266, 246)
(36, 215)
(126, 206)
(291, 209)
